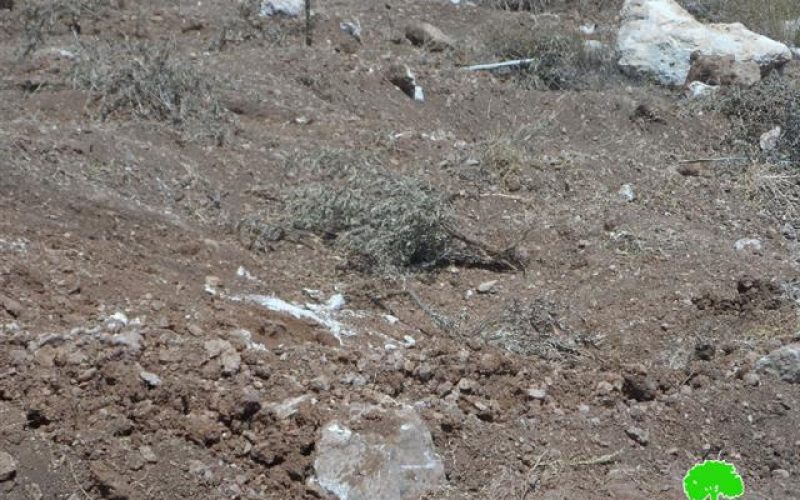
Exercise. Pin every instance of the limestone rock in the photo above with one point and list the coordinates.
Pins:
(658, 37)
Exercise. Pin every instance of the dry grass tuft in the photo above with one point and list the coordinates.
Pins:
(149, 81)
(778, 19)
(387, 220)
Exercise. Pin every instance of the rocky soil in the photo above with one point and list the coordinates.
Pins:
(152, 349)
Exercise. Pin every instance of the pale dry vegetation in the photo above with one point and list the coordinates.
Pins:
(150, 81)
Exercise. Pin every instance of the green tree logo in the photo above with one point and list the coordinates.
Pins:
(713, 479)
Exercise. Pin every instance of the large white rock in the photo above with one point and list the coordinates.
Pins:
(657, 37)
(390, 457)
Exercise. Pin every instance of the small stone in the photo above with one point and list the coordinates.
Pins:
(747, 243)
(194, 330)
(147, 454)
(86, 375)
(424, 372)
(487, 286)
(8, 467)
(215, 347)
(321, 384)
(537, 394)
(231, 362)
(751, 379)
(627, 193)
(780, 474)
(11, 306)
(639, 435)
(150, 379)
(604, 388)
(467, 386)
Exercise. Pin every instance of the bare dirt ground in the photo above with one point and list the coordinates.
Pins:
(113, 234)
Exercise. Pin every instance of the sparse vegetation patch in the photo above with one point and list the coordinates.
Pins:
(559, 60)
(150, 81)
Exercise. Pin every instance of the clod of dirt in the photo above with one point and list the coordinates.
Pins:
(705, 351)
(639, 387)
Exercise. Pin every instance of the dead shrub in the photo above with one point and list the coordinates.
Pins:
(533, 328)
(389, 220)
(149, 81)
(775, 101)
(558, 60)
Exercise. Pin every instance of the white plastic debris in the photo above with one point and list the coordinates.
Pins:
(352, 28)
(321, 314)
